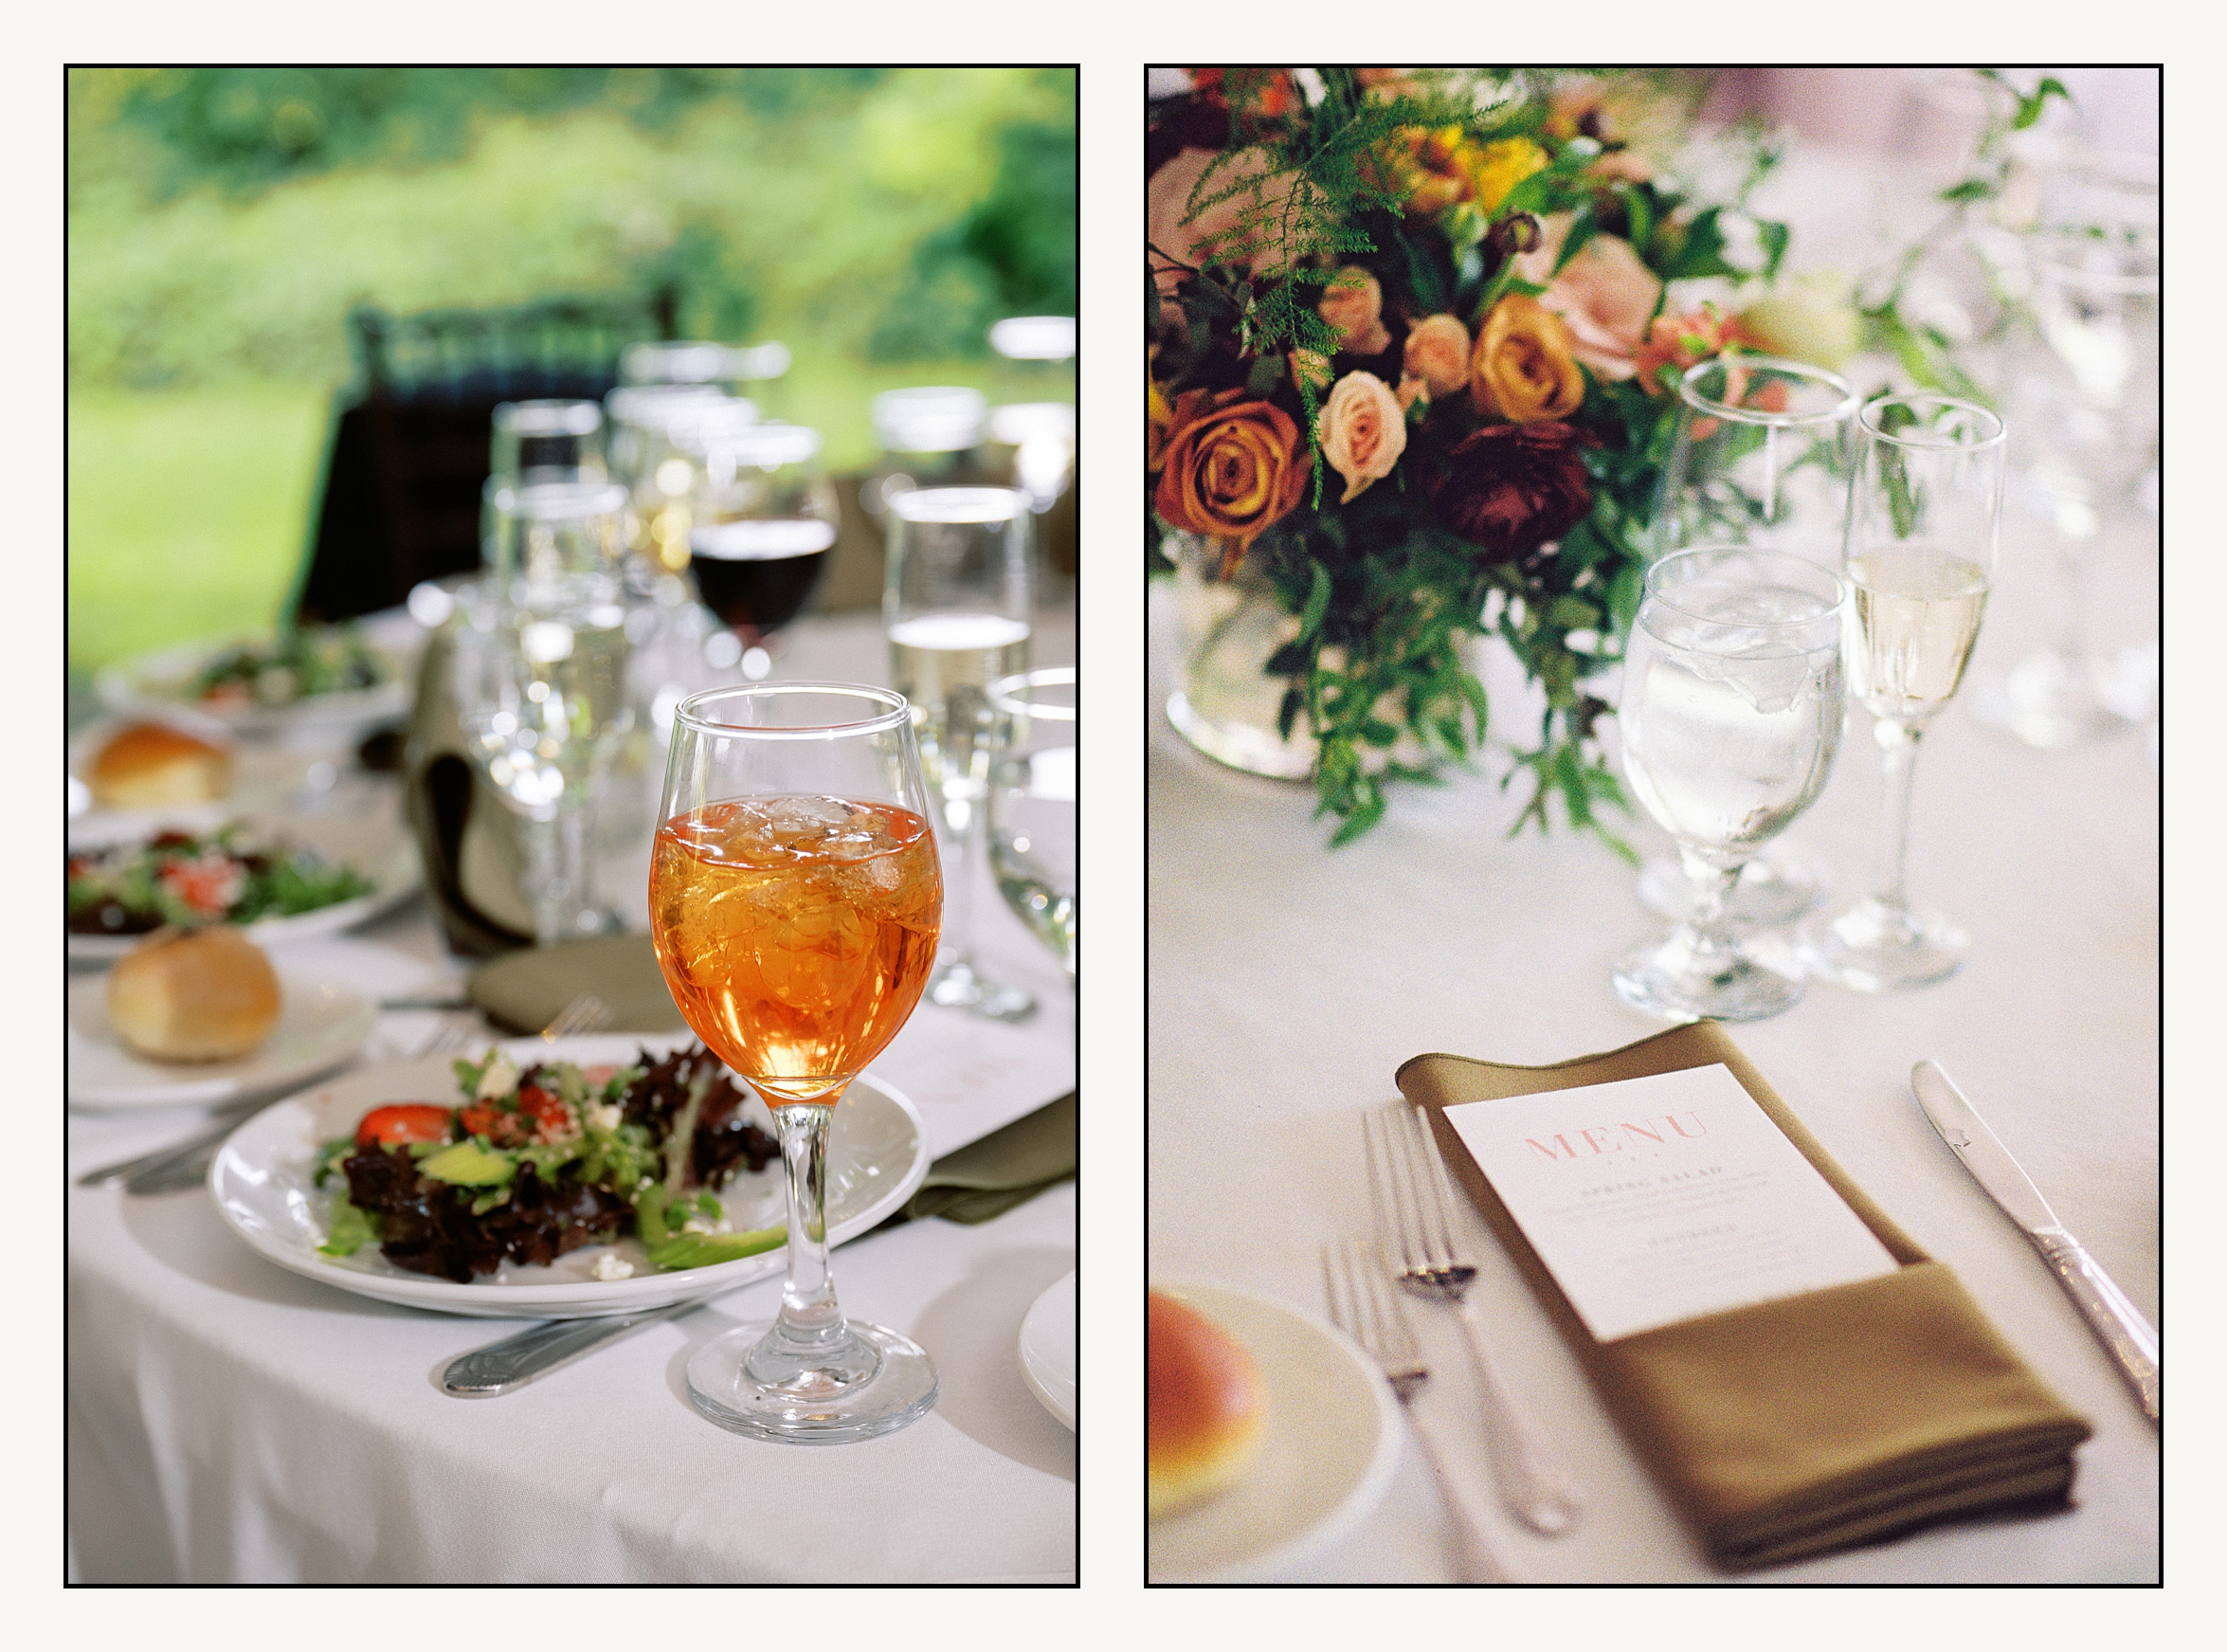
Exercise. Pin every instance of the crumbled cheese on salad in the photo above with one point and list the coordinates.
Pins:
(611, 1266)
(604, 1115)
(499, 1080)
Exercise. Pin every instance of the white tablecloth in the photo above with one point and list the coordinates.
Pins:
(232, 1422)
(1287, 981)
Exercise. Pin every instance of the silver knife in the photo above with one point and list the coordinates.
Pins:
(538, 1350)
(2118, 1324)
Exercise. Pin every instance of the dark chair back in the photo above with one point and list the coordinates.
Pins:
(399, 500)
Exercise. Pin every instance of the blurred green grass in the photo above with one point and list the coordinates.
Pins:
(872, 220)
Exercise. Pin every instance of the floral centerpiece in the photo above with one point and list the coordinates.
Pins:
(1415, 338)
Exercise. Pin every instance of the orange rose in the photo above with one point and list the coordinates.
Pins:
(1522, 368)
(1354, 305)
(1232, 469)
(1364, 431)
(1438, 353)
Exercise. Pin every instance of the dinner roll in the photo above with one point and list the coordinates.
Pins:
(155, 766)
(1204, 1407)
(208, 995)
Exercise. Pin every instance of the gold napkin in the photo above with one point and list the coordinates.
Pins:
(523, 991)
(1812, 1423)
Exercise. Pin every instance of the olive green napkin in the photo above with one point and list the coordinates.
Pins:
(523, 991)
(1791, 1428)
(1005, 1167)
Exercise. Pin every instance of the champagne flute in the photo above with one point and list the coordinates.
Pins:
(795, 898)
(1923, 514)
(955, 607)
(1731, 712)
(1759, 457)
(1032, 838)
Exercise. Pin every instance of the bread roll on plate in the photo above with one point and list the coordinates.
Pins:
(209, 995)
(1205, 1408)
(158, 765)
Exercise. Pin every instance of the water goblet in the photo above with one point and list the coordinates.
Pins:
(1032, 821)
(795, 898)
(1730, 717)
(956, 610)
(1924, 516)
(1759, 457)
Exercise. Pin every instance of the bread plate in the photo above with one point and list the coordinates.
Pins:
(322, 1023)
(1047, 1351)
(877, 1155)
(1328, 1450)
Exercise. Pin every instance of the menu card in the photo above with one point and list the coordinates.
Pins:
(1659, 1199)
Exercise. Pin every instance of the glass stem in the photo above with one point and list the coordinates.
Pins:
(1898, 746)
(810, 1316)
(962, 813)
(545, 873)
(1712, 889)
(2072, 571)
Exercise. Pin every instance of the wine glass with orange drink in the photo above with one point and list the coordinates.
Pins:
(795, 900)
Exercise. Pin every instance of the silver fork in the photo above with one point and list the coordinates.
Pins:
(585, 1013)
(1365, 1309)
(1413, 1198)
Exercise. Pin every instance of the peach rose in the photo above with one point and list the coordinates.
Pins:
(1363, 431)
(1233, 468)
(1309, 369)
(1604, 296)
(1353, 303)
(1678, 342)
(1522, 368)
(1213, 237)
(1438, 353)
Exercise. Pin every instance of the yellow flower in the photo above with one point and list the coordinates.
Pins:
(1521, 369)
(1159, 425)
(1498, 166)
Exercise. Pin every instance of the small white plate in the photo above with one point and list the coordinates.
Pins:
(1332, 1445)
(159, 681)
(320, 1025)
(877, 1155)
(264, 778)
(1047, 1350)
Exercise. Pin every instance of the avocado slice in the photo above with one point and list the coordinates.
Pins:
(468, 1165)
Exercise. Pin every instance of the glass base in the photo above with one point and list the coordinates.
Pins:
(1256, 749)
(1778, 886)
(1877, 948)
(1670, 977)
(959, 985)
(875, 1382)
(2052, 700)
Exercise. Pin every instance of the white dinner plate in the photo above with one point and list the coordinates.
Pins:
(1331, 1446)
(322, 1023)
(877, 1155)
(395, 876)
(159, 681)
(1047, 1350)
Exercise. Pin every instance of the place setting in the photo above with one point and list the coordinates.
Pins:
(640, 864)
(1619, 1289)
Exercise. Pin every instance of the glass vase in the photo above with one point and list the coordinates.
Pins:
(1225, 702)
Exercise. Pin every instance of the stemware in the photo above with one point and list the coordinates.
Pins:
(795, 898)
(2093, 391)
(1731, 716)
(659, 478)
(1759, 457)
(955, 607)
(930, 436)
(761, 527)
(1032, 819)
(541, 687)
(1923, 514)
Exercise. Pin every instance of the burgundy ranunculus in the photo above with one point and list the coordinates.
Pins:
(1510, 488)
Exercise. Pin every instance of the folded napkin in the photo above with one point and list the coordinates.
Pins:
(523, 991)
(1007, 1167)
(1790, 1427)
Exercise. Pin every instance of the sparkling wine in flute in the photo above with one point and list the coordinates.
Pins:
(1915, 617)
(757, 575)
(797, 932)
(944, 665)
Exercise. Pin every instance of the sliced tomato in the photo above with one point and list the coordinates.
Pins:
(485, 1118)
(544, 1108)
(401, 1122)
